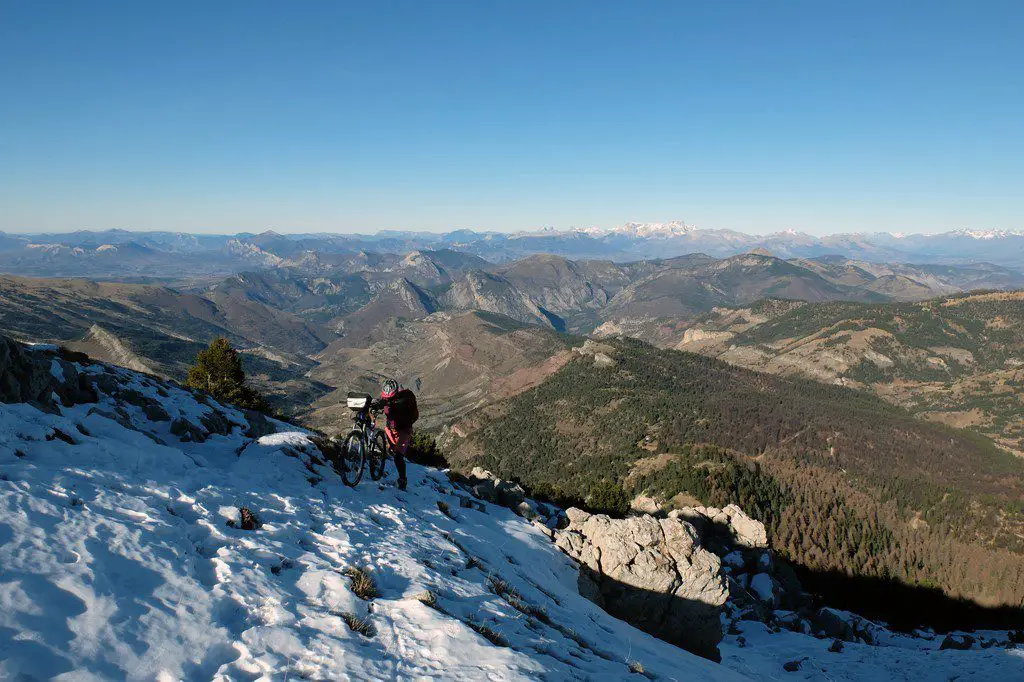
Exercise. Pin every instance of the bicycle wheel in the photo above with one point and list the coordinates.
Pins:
(353, 456)
(378, 455)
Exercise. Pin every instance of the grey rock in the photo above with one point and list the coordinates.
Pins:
(957, 642)
(155, 412)
(467, 502)
(731, 524)
(187, 431)
(118, 416)
(848, 627)
(25, 375)
(646, 505)
(527, 510)
(215, 423)
(259, 425)
(794, 665)
(653, 573)
(487, 486)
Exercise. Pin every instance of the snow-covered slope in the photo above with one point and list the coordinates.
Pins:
(118, 561)
(122, 557)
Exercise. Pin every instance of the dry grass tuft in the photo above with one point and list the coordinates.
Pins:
(357, 624)
(488, 633)
(361, 583)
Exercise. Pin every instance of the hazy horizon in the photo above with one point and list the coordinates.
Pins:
(213, 232)
(430, 117)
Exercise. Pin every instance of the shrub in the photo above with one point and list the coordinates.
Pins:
(608, 497)
(218, 371)
(424, 451)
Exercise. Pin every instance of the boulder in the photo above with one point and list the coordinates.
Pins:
(765, 589)
(215, 423)
(646, 505)
(794, 622)
(730, 525)
(957, 642)
(527, 510)
(487, 486)
(849, 627)
(259, 425)
(187, 431)
(651, 572)
(467, 502)
(155, 412)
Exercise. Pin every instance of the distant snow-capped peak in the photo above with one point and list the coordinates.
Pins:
(674, 228)
(988, 234)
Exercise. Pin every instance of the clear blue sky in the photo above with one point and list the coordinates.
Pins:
(756, 116)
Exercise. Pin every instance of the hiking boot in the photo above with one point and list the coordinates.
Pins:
(402, 483)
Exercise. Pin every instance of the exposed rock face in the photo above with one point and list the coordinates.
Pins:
(731, 521)
(651, 572)
(38, 377)
(24, 376)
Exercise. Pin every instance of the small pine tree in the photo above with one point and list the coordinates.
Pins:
(218, 371)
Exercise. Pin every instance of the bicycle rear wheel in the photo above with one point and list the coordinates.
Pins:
(353, 457)
(378, 455)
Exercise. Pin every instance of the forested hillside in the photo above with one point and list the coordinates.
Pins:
(842, 479)
(958, 360)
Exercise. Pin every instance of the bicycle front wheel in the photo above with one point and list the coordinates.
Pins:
(378, 455)
(353, 457)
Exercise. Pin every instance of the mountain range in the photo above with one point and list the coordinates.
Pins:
(175, 255)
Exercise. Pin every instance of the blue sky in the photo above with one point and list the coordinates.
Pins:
(756, 116)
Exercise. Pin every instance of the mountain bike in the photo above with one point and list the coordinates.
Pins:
(365, 443)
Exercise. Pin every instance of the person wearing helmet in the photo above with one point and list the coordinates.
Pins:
(400, 413)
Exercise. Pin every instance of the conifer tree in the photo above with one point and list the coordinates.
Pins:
(218, 371)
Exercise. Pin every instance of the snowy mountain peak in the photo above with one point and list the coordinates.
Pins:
(638, 230)
(987, 235)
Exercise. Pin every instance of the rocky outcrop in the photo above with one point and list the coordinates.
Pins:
(48, 376)
(486, 486)
(653, 573)
(42, 376)
(25, 377)
(603, 353)
(729, 525)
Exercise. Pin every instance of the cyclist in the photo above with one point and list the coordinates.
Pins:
(400, 413)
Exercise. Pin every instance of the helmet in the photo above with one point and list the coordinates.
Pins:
(389, 388)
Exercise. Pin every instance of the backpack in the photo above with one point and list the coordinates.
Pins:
(402, 408)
